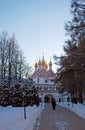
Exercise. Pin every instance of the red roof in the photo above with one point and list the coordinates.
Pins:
(43, 73)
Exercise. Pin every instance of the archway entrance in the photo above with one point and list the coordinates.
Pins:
(48, 98)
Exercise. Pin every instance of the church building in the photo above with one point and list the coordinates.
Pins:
(43, 78)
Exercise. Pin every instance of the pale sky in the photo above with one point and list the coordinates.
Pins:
(38, 26)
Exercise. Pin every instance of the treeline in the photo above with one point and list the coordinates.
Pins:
(18, 95)
(71, 72)
(16, 85)
(12, 61)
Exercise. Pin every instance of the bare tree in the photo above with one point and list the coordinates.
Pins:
(12, 62)
(3, 54)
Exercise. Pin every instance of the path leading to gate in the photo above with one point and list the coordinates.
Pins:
(59, 119)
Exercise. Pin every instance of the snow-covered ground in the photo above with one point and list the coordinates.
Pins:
(12, 118)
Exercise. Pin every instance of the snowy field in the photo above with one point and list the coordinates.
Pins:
(12, 118)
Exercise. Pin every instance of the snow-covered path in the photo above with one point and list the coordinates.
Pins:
(79, 109)
(59, 119)
(12, 118)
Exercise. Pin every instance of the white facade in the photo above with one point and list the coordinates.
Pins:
(43, 77)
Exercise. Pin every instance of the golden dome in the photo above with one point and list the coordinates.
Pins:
(36, 64)
(43, 61)
(50, 63)
(46, 66)
(39, 63)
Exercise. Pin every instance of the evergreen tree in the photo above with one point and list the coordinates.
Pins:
(71, 73)
(5, 95)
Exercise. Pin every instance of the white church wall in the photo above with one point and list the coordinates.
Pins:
(50, 82)
(35, 80)
(42, 80)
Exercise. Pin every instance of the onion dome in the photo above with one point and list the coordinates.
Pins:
(39, 63)
(50, 63)
(36, 64)
(46, 66)
(43, 61)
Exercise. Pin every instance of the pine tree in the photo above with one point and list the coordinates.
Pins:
(71, 73)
